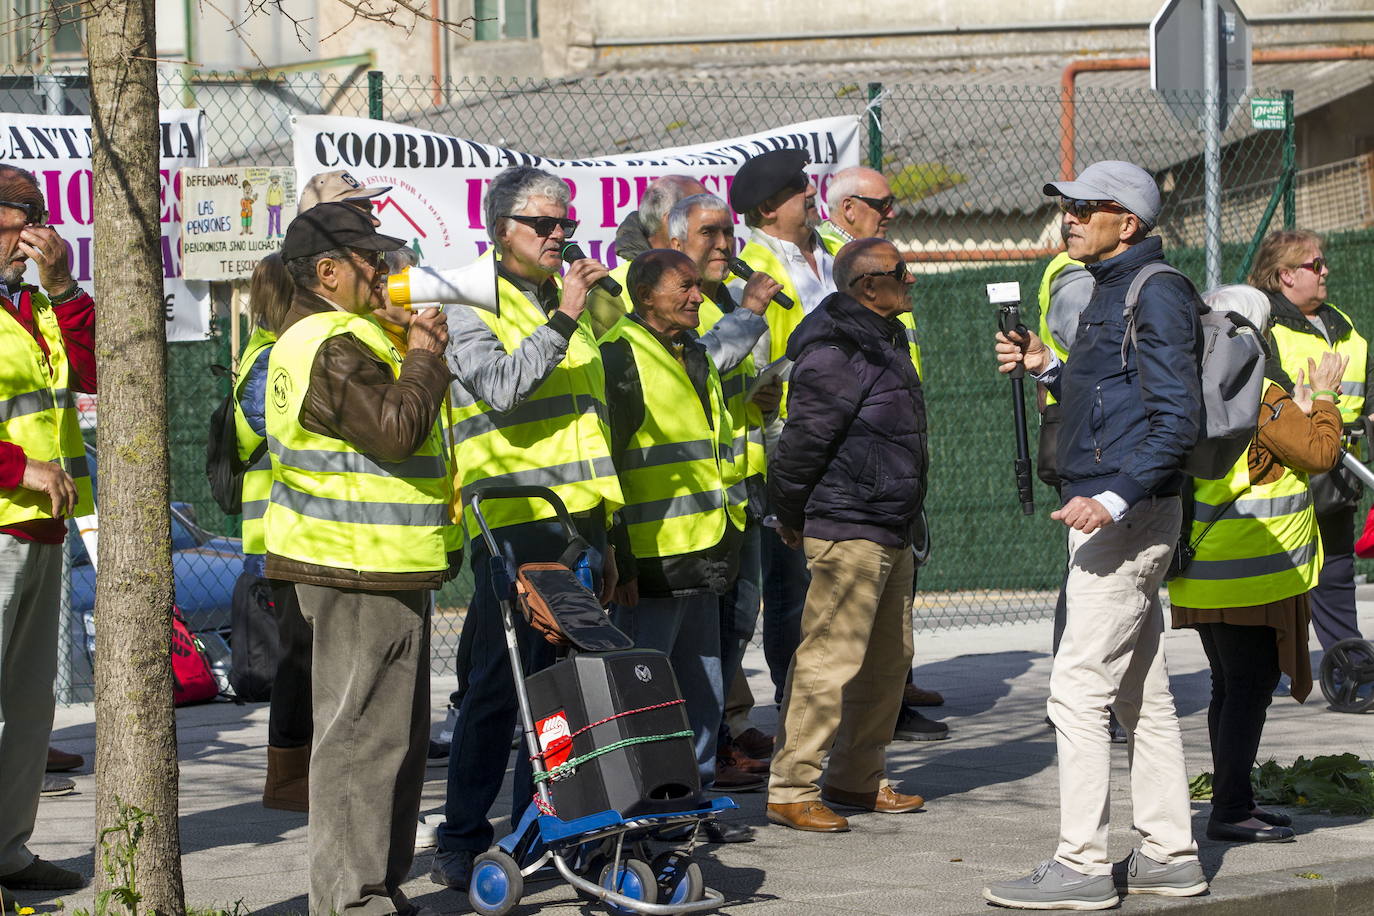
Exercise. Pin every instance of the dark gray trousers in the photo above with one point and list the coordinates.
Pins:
(370, 695)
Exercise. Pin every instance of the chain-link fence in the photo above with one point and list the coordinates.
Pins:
(967, 165)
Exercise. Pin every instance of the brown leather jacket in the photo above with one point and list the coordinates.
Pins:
(352, 396)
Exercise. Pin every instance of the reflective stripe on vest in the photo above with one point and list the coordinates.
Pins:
(557, 437)
(747, 457)
(1264, 547)
(673, 472)
(1052, 270)
(257, 480)
(38, 412)
(330, 504)
(1295, 348)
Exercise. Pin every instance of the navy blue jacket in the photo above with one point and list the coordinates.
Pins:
(1128, 430)
(851, 462)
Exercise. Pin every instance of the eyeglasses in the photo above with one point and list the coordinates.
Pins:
(543, 226)
(35, 214)
(881, 204)
(1316, 265)
(1083, 210)
(898, 273)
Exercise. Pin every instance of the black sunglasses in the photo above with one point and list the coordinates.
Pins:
(898, 273)
(543, 226)
(1084, 209)
(1316, 265)
(374, 259)
(881, 204)
(35, 214)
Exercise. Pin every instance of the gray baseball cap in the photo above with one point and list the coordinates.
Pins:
(1111, 179)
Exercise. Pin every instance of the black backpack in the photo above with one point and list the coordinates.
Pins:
(254, 639)
(223, 467)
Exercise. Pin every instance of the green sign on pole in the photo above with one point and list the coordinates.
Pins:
(1267, 114)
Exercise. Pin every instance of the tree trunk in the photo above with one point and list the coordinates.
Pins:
(136, 750)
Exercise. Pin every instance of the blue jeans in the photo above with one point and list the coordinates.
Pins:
(785, 580)
(486, 718)
(687, 630)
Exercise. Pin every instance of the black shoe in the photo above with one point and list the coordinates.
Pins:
(438, 754)
(912, 726)
(727, 832)
(1234, 833)
(1114, 729)
(452, 869)
(1272, 818)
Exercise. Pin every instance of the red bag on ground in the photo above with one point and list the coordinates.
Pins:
(193, 681)
(1364, 547)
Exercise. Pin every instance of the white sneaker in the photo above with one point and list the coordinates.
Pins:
(427, 832)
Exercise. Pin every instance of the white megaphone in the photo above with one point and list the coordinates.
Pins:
(473, 285)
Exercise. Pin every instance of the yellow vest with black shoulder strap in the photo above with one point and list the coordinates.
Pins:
(747, 458)
(833, 242)
(1297, 347)
(674, 470)
(38, 411)
(257, 479)
(332, 505)
(1052, 270)
(557, 437)
(1263, 546)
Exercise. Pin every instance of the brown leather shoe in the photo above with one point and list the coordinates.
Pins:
(755, 743)
(287, 787)
(732, 755)
(60, 761)
(886, 800)
(733, 779)
(807, 815)
(916, 696)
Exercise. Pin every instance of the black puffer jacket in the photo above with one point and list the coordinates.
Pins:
(851, 462)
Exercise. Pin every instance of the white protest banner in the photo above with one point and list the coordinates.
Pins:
(58, 150)
(437, 181)
(233, 218)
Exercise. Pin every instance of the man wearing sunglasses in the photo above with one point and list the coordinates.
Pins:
(47, 337)
(1130, 416)
(847, 480)
(1291, 268)
(529, 407)
(358, 519)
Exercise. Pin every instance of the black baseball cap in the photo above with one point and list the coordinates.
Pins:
(333, 225)
(765, 175)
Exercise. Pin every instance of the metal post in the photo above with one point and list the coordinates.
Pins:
(1211, 70)
(374, 95)
(875, 126)
(1290, 162)
(49, 86)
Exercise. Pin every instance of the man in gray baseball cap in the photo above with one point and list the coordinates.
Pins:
(1130, 415)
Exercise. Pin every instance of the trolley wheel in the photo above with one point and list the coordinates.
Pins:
(496, 884)
(679, 878)
(1347, 675)
(634, 879)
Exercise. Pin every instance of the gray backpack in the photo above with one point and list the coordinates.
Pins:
(1232, 372)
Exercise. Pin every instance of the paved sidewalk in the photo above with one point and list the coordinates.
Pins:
(991, 809)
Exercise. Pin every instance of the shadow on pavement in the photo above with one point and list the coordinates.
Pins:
(973, 683)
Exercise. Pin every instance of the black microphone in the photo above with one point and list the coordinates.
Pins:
(744, 272)
(573, 252)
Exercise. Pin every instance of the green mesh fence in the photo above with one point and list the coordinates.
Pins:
(967, 165)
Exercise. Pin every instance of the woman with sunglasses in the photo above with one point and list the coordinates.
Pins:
(1292, 269)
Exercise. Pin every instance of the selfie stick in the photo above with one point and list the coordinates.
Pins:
(1007, 297)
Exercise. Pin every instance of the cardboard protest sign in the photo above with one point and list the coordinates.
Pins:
(233, 218)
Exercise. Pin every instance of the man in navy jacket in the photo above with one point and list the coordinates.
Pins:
(1130, 416)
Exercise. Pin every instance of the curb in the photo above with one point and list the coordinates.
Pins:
(1344, 888)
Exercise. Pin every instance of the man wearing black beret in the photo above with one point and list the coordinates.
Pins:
(778, 202)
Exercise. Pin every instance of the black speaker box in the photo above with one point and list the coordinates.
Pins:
(655, 777)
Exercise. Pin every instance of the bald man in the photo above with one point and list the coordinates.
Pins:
(847, 482)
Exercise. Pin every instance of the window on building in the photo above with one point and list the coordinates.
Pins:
(45, 30)
(497, 19)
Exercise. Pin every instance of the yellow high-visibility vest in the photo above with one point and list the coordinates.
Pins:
(557, 437)
(674, 470)
(1263, 547)
(38, 411)
(1296, 347)
(747, 458)
(257, 479)
(1052, 270)
(332, 505)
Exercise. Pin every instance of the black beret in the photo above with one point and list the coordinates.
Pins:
(765, 175)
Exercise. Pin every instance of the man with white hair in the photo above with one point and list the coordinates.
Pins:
(861, 204)
(647, 227)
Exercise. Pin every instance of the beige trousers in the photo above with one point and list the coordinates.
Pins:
(844, 686)
(1112, 654)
